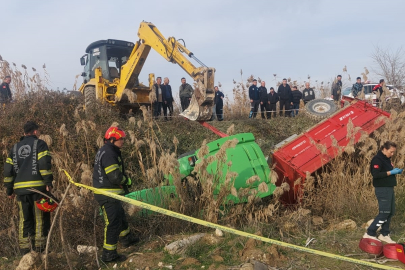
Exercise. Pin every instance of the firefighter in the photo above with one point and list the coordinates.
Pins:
(384, 181)
(109, 175)
(28, 165)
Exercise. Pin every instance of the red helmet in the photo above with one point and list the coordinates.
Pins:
(46, 204)
(114, 133)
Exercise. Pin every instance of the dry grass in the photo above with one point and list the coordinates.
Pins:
(23, 81)
(341, 190)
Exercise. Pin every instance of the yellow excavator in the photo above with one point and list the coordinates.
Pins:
(112, 68)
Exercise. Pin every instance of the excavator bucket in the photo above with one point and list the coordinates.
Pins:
(200, 108)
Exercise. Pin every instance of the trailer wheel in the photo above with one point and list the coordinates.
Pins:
(320, 108)
(89, 99)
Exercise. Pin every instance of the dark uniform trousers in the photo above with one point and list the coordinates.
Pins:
(271, 109)
(285, 103)
(185, 102)
(116, 225)
(219, 112)
(168, 105)
(34, 223)
(254, 106)
(263, 110)
(386, 207)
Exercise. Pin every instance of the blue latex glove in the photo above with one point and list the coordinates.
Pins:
(396, 171)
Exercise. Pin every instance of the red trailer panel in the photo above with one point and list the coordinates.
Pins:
(294, 159)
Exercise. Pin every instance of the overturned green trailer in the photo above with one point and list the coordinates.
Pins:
(246, 159)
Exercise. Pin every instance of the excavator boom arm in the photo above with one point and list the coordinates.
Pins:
(175, 52)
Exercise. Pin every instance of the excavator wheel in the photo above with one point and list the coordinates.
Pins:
(90, 100)
(320, 108)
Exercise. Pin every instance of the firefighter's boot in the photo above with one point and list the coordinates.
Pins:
(112, 255)
(128, 240)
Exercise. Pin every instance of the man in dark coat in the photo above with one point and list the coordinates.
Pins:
(284, 93)
(263, 98)
(295, 102)
(272, 99)
(5, 93)
(167, 98)
(337, 88)
(219, 104)
(254, 99)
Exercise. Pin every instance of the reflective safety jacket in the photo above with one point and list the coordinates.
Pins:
(28, 166)
(109, 171)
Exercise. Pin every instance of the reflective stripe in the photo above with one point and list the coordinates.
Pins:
(109, 247)
(45, 172)
(29, 184)
(22, 242)
(42, 154)
(124, 232)
(38, 227)
(105, 245)
(115, 191)
(8, 179)
(111, 168)
(9, 161)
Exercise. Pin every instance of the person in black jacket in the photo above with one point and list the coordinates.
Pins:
(284, 93)
(109, 174)
(167, 98)
(272, 99)
(254, 99)
(384, 181)
(295, 101)
(263, 98)
(27, 166)
(219, 104)
(5, 93)
(308, 93)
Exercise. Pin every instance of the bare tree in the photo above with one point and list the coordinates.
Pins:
(390, 65)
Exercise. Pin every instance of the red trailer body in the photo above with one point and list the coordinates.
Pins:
(294, 159)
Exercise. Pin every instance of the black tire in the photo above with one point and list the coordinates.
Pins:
(90, 99)
(320, 108)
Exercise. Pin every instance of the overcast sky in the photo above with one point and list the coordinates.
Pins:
(292, 38)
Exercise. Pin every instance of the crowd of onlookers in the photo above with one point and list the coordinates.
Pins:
(288, 97)
(164, 98)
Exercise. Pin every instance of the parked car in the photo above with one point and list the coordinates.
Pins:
(396, 95)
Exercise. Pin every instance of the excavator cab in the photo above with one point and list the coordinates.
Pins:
(109, 55)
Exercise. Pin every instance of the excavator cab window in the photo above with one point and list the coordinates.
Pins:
(117, 56)
(84, 61)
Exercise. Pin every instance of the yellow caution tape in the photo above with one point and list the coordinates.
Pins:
(226, 229)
